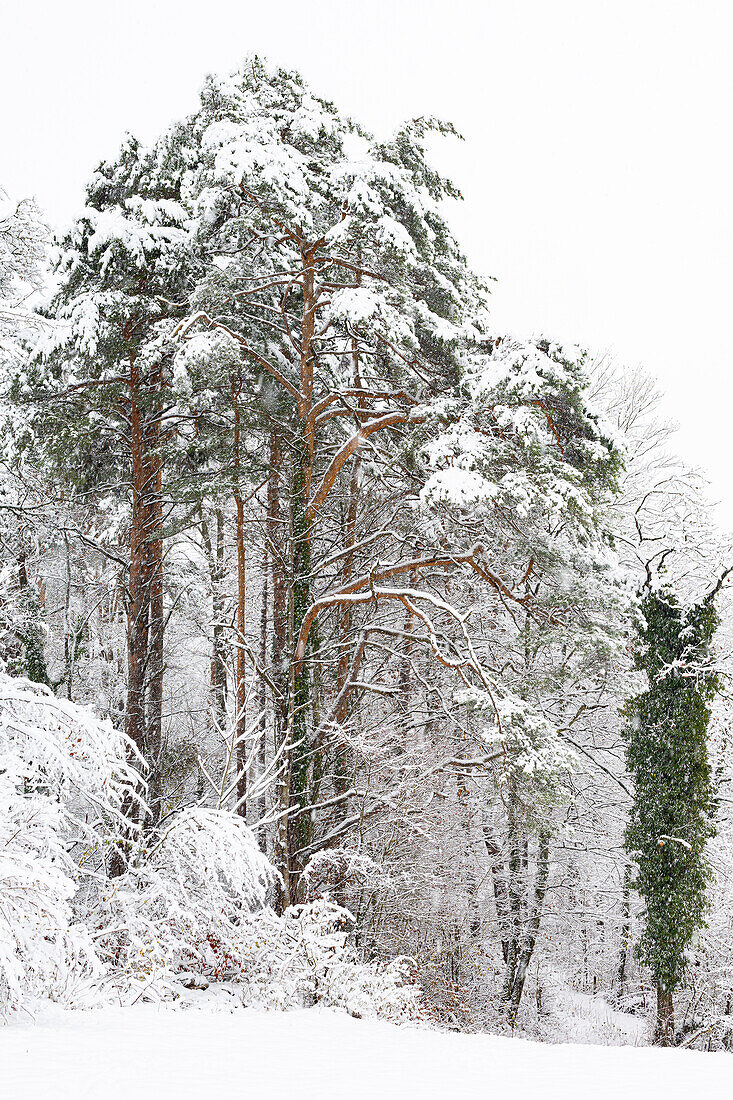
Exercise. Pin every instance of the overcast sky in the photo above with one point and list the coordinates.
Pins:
(597, 168)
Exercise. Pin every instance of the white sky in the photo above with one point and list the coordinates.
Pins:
(597, 168)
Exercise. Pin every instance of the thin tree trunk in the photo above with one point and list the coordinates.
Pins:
(665, 1017)
(241, 722)
(529, 938)
(154, 730)
(241, 684)
(625, 935)
(501, 893)
(343, 756)
(214, 548)
(276, 545)
(262, 695)
(342, 765)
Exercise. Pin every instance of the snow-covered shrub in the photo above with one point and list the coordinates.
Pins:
(184, 903)
(39, 943)
(64, 778)
(195, 903)
(335, 868)
(305, 958)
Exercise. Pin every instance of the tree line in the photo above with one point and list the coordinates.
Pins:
(431, 609)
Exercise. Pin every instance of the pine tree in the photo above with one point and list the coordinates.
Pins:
(671, 815)
(333, 274)
(96, 391)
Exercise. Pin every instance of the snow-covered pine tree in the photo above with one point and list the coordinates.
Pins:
(335, 278)
(96, 393)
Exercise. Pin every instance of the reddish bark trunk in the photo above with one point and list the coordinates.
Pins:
(145, 613)
(137, 596)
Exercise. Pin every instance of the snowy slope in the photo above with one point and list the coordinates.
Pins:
(150, 1051)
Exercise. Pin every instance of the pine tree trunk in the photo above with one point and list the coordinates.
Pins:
(276, 545)
(303, 759)
(515, 907)
(501, 893)
(343, 757)
(525, 914)
(153, 572)
(532, 927)
(138, 592)
(145, 616)
(275, 535)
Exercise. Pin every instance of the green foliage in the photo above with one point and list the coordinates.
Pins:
(28, 657)
(667, 755)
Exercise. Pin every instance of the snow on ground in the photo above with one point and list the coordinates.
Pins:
(154, 1051)
(586, 1019)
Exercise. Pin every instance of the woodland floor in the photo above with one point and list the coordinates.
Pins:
(157, 1052)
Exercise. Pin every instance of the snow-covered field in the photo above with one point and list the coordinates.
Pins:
(152, 1051)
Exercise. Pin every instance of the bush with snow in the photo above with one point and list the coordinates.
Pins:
(193, 897)
(305, 958)
(64, 780)
(194, 904)
(185, 900)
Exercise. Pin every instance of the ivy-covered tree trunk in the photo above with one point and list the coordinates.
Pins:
(300, 751)
(27, 628)
(522, 954)
(667, 754)
(302, 757)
